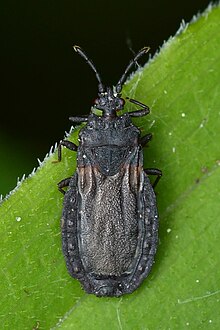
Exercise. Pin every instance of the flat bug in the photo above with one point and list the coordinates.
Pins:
(109, 220)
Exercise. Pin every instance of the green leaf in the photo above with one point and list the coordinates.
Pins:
(181, 86)
(20, 156)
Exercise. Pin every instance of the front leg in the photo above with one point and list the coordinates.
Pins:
(141, 112)
(68, 144)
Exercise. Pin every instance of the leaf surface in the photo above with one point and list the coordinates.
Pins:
(181, 86)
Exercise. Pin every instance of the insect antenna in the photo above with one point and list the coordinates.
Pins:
(132, 62)
(81, 52)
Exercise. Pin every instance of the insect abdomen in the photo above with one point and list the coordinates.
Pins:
(109, 225)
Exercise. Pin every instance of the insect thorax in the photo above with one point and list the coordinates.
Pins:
(107, 144)
(102, 131)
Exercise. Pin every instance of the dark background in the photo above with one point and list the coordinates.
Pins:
(44, 81)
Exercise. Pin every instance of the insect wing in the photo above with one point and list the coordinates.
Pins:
(110, 227)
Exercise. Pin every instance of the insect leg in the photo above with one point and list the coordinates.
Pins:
(145, 139)
(62, 184)
(138, 113)
(68, 144)
(154, 171)
(79, 119)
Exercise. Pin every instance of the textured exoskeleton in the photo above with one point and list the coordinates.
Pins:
(109, 221)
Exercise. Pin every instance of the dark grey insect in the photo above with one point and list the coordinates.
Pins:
(109, 221)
